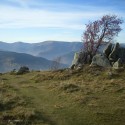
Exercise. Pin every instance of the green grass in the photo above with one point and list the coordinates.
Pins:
(90, 96)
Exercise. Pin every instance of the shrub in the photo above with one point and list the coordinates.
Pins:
(23, 70)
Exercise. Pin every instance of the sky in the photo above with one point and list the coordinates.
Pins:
(35, 21)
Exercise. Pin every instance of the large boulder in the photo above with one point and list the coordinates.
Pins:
(117, 64)
(107, 50)
(75, 60)
(114, 55)
(22, 70)
(121, 54)
(83, 58)
(100, 60)
(80, 58)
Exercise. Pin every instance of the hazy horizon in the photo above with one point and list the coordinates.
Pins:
(38, 41)
(34, 21)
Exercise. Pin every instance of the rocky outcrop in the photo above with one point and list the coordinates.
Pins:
(75, 60)
(80, 58)
(107, 50)
(112, 56)
(100, 60)
(121, 54)
(117, 64)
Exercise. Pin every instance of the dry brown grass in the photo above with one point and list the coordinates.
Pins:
(90, 96)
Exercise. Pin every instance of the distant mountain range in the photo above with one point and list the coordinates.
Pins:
(38, 56)
(13, 60)
(47, 49)
(53, 49)
(68, 58)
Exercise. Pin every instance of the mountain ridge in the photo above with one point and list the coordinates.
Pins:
(13, 60)
(47, 49)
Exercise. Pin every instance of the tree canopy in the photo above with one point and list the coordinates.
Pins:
(99, 31)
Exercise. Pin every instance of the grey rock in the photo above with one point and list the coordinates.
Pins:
(79, 66)
(75, 60)
(100, 60)
(117, 64)
(83, 58)
(108, 50)
(114, 55)
(79, 58)
(72, 66)
(121, 54)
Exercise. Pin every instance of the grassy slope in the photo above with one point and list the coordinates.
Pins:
(91, 96)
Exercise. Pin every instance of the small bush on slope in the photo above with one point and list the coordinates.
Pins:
(23, 70)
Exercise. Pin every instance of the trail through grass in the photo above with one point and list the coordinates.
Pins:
(85, 97)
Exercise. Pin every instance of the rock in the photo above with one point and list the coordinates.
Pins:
(72, 66)
(100, 60)
(82, 56)
(79, 60)
(108, 50)
(117, 64)
(114, 55)
(121, 53)
(79, 67)
(23, 70)
(75, 60)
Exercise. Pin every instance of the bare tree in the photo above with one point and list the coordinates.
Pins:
(99, 31)
(56, 63)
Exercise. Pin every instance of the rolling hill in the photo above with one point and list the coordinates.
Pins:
(12, 60)
(47, 49)
(54, 49)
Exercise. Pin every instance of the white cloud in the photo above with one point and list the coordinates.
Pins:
(44, 15)
(12, 17)
(47, 16)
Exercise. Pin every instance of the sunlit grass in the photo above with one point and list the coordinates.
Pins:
(89, 96)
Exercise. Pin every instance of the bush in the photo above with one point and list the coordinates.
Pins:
(23, 70)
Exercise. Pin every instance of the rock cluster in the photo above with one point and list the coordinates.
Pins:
(100, 60)
(80, 58)
(115, 54)
(112, 56)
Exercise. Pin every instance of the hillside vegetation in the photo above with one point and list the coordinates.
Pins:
(89, 96)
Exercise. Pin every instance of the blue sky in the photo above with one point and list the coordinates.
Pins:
(63, 20)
